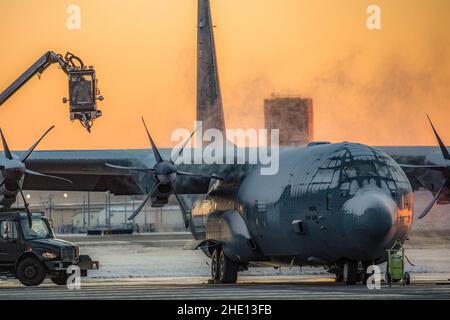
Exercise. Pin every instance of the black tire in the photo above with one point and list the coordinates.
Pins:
(30, 272)
(388, 279)
(215, 263)
(407, 278)
(364, 278)
(350, 272)
(228, 269)
(61, 279)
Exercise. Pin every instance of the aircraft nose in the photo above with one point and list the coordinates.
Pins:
(369, 221)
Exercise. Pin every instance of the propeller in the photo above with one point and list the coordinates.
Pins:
(445, 169)
(20, 165)
(164, 173)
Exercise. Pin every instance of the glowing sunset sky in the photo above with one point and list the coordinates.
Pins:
(372, 87)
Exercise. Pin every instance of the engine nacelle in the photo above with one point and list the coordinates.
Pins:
(7, 196)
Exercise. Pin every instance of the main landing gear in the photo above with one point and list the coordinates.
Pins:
(350, 273)
(223, 269)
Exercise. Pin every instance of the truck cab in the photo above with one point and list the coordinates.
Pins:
(31, 253)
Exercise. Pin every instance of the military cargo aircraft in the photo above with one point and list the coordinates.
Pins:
(335, 205)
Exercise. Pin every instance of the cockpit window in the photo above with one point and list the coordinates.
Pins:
(350, 168)
(359, 169)
(349, 172)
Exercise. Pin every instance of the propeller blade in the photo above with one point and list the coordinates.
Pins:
(130, 168)
(444, 150)
(431, 204)
(183, 209)
(27, 209)
(34, 173)
(142, 205)
(433, 167)
(8, 154)
(154, 148)
(29, 151)
(180, 152)
(189, 174)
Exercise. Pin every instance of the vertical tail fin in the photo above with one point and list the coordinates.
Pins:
(209, 97)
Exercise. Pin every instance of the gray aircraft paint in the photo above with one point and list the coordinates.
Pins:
(310, 189)
(209, 97)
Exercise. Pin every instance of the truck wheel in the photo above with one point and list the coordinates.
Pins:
(215, 263)
(30, 272)
(61, 279)
(228, 269)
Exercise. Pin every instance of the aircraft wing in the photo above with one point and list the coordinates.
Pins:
(427, 178)
(88, 172)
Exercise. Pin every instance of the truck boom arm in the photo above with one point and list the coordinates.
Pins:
(82, 105)
(37, 68)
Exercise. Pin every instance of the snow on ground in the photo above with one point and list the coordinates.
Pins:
(140, 261)
(123, 259)
(138, 257)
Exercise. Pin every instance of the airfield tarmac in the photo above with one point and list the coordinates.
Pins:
(154, 266)
(257, 288)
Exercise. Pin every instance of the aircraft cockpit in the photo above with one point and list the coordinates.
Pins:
(370, 167)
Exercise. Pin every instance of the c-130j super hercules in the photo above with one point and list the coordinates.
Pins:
(334, 205)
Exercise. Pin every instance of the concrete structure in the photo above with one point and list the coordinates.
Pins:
(293, 116)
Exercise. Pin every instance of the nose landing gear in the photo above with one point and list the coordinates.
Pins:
(352, 272)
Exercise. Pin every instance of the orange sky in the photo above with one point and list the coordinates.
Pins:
(368, 86)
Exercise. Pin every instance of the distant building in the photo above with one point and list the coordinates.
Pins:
(293, 116)
(150, 219)
(74, 211)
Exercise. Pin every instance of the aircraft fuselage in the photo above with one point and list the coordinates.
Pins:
(328, 203)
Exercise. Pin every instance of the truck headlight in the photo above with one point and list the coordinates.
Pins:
(49, 255)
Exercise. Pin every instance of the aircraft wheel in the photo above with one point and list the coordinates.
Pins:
(350, 272)
(215, 263)
(364, 278)
(407, 278)
(364, 275)
(30, 272)
(388, 279)
(228, 269)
